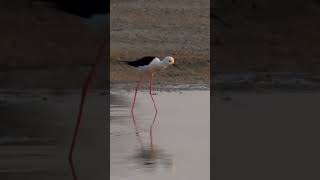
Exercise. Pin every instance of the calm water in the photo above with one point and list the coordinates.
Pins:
(36, 130)
(37, 127)
(181, 137)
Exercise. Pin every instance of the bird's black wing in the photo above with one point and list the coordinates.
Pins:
(141, 62)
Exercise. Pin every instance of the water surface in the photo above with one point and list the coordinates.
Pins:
(180, 146)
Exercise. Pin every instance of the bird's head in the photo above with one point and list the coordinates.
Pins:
(168, 60)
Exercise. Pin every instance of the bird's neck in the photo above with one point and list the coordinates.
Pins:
(164, 64)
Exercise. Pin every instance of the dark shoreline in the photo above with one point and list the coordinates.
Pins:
(264, 81)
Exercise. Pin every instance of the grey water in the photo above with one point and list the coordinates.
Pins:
(36, 130)
(180, 146)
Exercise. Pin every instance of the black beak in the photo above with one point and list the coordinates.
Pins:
(176, 66)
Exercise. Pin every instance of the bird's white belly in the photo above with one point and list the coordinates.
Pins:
(151, 68)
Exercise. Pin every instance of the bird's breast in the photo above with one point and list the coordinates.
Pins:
(151, 68)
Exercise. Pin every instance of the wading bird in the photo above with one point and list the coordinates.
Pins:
(149, 65)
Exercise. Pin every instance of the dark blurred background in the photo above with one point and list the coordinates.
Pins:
(47, 50)
(50, 43)
(265, 71)
(266, 35)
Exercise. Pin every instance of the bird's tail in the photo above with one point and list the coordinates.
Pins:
(123, 62)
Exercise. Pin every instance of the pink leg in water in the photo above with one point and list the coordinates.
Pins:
(134, 100)
(84, 91)
(155, 107)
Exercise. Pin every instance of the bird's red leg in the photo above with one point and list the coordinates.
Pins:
(155, 115)
(85, 86)
(134, 100)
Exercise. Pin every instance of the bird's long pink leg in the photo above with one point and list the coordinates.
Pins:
(155, 107)
(85, 86)
(134, 100)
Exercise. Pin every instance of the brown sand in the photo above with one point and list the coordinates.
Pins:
(177, 28)
(37, 35)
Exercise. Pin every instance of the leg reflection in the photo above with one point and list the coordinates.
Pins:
(134, 100)
(139, 138)
(151, 142)
(134, 121)
(155, 107)
(149, 155)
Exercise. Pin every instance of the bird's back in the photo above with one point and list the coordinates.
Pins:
(141, 62)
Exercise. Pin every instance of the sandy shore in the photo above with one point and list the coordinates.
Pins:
(179, 28)
(52, 39)
(272, 38)
(266, 81)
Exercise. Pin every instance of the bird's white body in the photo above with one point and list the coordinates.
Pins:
(149, 65)
(156, 65)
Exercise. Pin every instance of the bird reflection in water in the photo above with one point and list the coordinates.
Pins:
(149, 155)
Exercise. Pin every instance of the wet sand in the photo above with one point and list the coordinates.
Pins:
(266, 135)
(181, 147)
(36, 129)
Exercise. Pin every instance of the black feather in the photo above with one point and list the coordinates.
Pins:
(140, 62)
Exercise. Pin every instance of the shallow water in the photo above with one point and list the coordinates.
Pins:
(37, 127)
(36, 130)
(180, 146)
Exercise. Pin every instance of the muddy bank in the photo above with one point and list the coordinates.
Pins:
(266, 81)
(140, 28)
(38, 35)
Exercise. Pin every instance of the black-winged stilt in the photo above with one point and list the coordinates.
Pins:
(149, 65)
